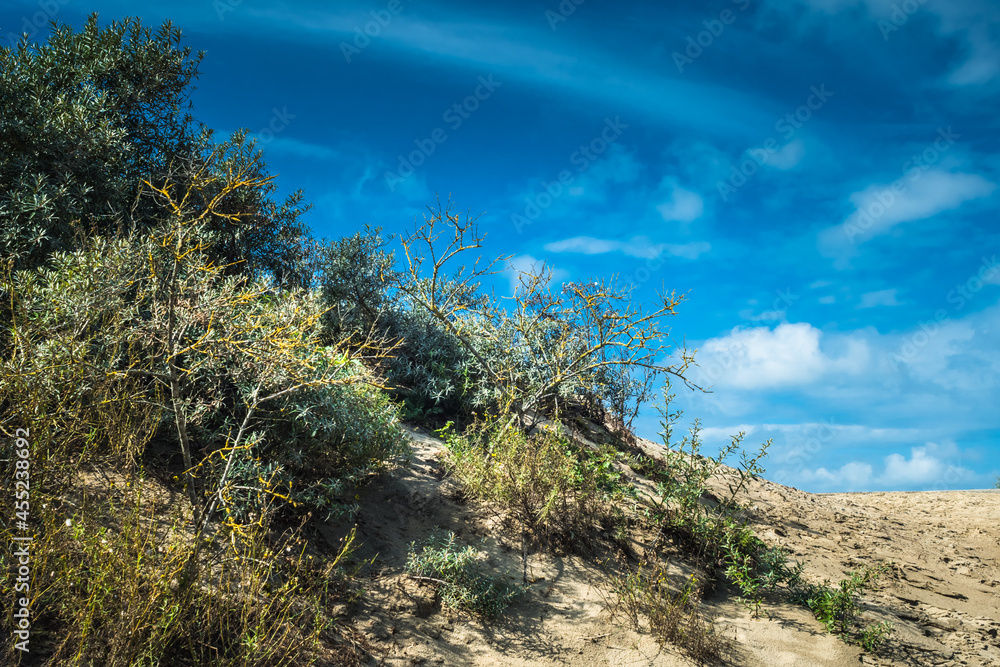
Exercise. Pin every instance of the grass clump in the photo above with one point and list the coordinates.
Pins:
(540, 483)
(115, 582)
(672, 617)
(461, 584)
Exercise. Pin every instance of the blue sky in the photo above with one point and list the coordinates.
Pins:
(820, 176)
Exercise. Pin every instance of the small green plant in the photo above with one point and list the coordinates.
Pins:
(839, 610)
(996, 484)
(873, 636)
(461, 584)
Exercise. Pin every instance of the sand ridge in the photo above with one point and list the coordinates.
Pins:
(943, 595)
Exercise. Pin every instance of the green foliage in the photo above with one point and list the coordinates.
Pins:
(354, 274)
(540, 483)
(872, 637)
(85, 117)
(259, 408)
(714, 531)
(436, 377)
(88, 116)
(461, 584)
(838, 609)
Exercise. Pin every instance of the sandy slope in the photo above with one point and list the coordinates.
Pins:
(944, 596)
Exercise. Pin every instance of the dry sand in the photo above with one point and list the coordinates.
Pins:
(943, 596)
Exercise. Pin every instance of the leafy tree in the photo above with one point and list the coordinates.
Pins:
(88, 116)
(84, 118)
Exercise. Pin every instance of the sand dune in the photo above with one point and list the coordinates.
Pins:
(943, 595)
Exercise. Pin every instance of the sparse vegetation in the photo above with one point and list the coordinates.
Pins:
(643, 597)
(838, 608)
(540, 484)
(457, 574)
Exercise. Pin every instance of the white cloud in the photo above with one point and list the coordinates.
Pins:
(828, 299)
(877, 209)
(762, 358)
(681, 205)
(637, 246)
(931, 466)
(885, 297)
(974, 22)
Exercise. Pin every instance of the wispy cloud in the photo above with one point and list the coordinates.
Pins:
(880, 207)
(578, 69)
(298, 148)
(638, 246)
(885, 297)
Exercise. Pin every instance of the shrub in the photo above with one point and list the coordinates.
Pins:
(431, 371)
(354, 274)
(838, 609)
(540, 483)
(111, 585)
(460, 583)
(547, 350)
(89, 116)
(233, 368)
